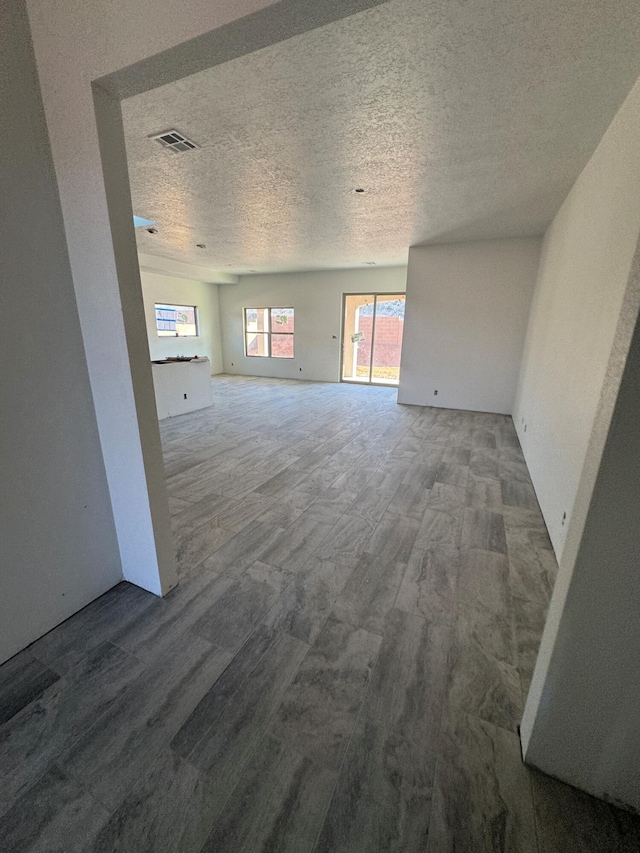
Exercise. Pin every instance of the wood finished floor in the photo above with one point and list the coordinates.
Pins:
(342, 668)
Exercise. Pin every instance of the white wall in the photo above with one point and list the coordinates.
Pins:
(317, 300)
(585, 263)
(466, 319)
(157, 287)
(89, 55)
(58, 544)
(581, 722)
(581, 719)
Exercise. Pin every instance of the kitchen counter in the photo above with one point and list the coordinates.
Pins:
(181, 386)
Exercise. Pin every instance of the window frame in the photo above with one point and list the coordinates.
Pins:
(196, 318)
(268, 332)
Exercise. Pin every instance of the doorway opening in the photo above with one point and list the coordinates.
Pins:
(372, 329)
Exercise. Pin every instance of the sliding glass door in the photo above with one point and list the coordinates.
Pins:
(373, 324)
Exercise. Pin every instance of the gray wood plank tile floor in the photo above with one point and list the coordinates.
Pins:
(343, 666)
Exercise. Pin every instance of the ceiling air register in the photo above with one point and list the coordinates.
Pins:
(174, 141)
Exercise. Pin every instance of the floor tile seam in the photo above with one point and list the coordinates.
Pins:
(481, 609)
(529, 599)
(353, 462)
(302, 512)
(61, 756)
(500, 663)
(204, 559)
(418, 741)
(231, 792)
(173, 493)
(446, 619)
(284, 498)
(345, 621)
(442, 704)
(285, 689)
(187, 714)
(537, 828)
(538, 526)
(189, 469)
(459, 708)
(346, 514)
(290, 579)
(511, 733)
(326, 618)
(188, 500)
(294, 574)
(185, 534)
(450, 659)
(248, 675)
(20, 675)
(197, 631)
(72, 740)
(129, 654)
(191, 576)
(395, 598)
(88, 790)
(284, 467)
(145, 768)
(437, 762)
(64, 673)
(32, 784)
(149, 664)
(182, 473)
(332, 527)
(318, 447)
(520, 663)
(230, 529)
(346, 750)
(399, 515)
(241, 495)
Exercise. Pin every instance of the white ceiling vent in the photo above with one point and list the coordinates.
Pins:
(174, 141)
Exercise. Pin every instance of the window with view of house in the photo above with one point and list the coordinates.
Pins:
(268, 332)
(176, 321)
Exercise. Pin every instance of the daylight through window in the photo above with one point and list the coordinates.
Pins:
(176, 321)
(268, 332)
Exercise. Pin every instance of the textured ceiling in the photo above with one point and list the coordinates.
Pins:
(460, 119)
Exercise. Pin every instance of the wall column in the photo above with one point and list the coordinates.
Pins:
(582, 720)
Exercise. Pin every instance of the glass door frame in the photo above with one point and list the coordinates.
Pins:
(373, 337)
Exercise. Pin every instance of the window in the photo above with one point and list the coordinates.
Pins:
(176, 321)
(268, 332)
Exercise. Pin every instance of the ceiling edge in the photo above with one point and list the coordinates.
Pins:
(180, 269)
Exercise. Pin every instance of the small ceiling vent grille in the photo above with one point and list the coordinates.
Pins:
(174, 141)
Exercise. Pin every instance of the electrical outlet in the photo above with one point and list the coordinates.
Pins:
(300, 370)
(185, 396)
(564, 517)
(435, 393)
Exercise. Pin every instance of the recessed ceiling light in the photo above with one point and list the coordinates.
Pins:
(201, 245)
(359, 190)
(152, 230)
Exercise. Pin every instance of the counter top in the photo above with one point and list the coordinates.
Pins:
(201, 359)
